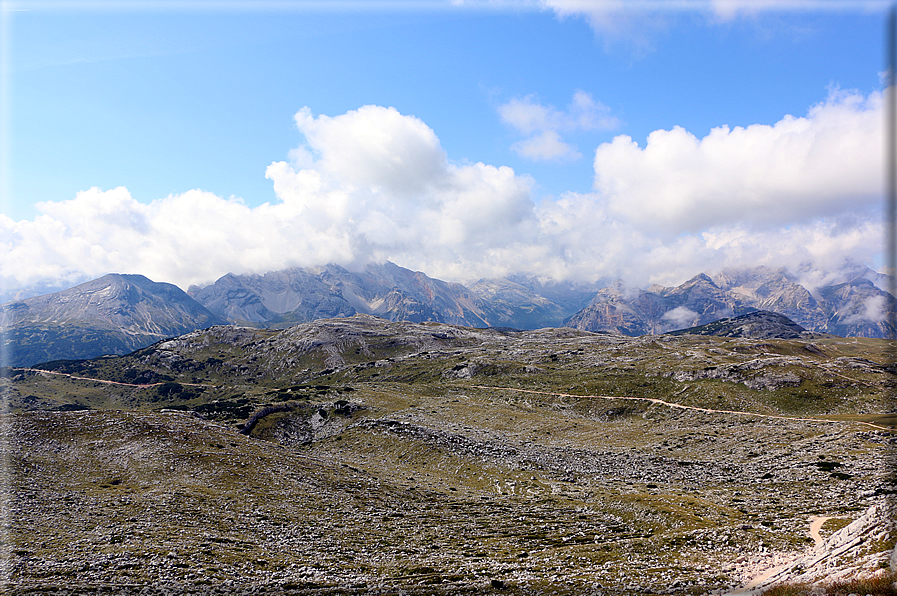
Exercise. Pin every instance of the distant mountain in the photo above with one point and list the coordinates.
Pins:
(657, 309)
(284, 298)
(114, 314)
(117, 314)
(571, 296)
(774, 290)
(854, 307)
(527, 303)
(760, 324)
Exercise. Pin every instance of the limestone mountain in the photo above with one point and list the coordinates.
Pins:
(120, 313)
(853, 306)
(657, 309)
(526, 303)
(295, 295)
(570, 295)
(114, 314)
(774, 290)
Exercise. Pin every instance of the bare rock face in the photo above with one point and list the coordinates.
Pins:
(298, 295)
(853, 306)
(117, 314)
(114, 314)
(513, 304)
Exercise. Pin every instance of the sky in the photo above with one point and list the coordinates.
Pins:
(566, 139)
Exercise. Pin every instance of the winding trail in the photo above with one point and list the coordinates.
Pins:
(815, 525)
(120, 383)
(654, 400)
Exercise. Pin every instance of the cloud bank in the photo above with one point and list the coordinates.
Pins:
(373, 184)
(799, 168)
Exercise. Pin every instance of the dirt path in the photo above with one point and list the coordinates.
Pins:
(758, 583)
(815, 525)
(680, 406)
(531, 391)
(70, 376)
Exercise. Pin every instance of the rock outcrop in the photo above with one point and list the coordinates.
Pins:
(849, 553)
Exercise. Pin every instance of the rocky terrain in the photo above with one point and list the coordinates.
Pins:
(362, 456)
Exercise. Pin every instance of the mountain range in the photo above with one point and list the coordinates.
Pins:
(116, 314)
(854, 307)
(283, 298)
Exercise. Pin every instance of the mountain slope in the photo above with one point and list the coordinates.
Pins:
(114, 314)
(858, 308)
(296, 295)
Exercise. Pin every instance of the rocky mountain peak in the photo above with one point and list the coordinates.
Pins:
(113, 314)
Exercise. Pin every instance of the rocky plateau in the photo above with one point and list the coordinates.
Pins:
(362, 456)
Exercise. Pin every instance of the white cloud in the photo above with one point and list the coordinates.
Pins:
(632, 23)
(601, 12)
(545, 146)
(583, 113)
(635, 23)
(372, 185)
(729, 9)
(872, 310)
(680, 318)
(763, 176)
(542, 124)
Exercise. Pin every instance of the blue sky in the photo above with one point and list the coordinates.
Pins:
(166, 119)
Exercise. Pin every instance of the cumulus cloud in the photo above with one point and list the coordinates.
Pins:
(824, 163)
(373, 184)
(632, 23)
(543, 124)
(545, 146)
